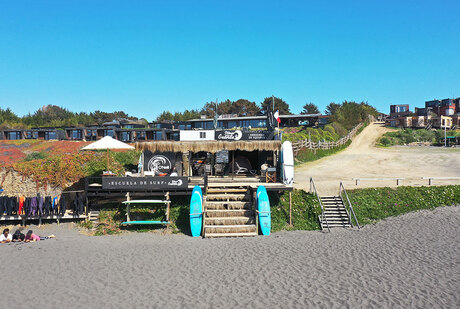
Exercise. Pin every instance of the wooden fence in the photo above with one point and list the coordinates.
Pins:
(307, 143)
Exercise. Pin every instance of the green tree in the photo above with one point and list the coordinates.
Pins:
(280, 105)
(310, 108)
(349, 114)
(243, 107)
(331, 108)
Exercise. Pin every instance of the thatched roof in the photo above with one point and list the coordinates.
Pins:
(209, 146)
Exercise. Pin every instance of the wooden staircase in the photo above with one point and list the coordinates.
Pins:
(229, 211)
(334, 212)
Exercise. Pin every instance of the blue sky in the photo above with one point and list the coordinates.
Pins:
(144, 57)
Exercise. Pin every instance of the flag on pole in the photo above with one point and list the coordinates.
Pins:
(277, 116)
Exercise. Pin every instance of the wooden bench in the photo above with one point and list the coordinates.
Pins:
(430, 179)
(398, 180)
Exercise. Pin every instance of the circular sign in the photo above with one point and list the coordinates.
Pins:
(159, 164)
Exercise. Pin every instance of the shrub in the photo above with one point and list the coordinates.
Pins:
(36, 156)
(373, 204)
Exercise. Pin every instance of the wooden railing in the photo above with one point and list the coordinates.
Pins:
(307, 143)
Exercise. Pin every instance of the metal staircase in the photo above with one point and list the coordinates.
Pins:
(336, 211)
(229, 212)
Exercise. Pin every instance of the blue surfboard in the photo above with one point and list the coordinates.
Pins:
(196, 211)
(263, 206)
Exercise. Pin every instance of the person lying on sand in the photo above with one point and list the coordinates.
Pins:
(6, 236)
(18, 236)
(31, 237)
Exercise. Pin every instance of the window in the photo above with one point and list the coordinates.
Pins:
(231, 124)
(14, 135)
(202, 134)
(108, 132)
(158, 135)
(125, 136)
(31, 134)
(75, 134)
(401, 109)
(50, 135)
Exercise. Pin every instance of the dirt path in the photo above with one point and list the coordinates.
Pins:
(362, 159)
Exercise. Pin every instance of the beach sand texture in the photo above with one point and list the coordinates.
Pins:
(362, 159)
(411, 261)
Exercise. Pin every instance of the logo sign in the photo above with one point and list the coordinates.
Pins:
(229, 135)
(159, 164)
(144, 183)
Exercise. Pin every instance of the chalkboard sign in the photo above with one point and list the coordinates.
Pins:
(222, 156)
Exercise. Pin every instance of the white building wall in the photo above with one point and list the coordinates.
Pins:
(196, 135)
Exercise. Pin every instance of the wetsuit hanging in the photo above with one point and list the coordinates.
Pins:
(2, 208)
(47, 205)
(21, 204)
(33, 206)
(54, 206)
(75, 205)
(62, 205)
(40, 204)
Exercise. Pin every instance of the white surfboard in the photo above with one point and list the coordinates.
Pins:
(287, 159)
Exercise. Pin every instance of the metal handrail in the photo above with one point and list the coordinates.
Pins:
(342, 189)
(323, 217)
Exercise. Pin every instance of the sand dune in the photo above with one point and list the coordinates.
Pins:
(408, 261)
(363, 160)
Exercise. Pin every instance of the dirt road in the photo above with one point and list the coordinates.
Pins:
(362, 159)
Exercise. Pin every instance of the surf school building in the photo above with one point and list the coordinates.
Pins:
(199, 157)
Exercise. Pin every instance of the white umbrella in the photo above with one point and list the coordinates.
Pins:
(107, 143)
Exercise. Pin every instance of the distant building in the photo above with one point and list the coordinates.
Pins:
(399, 110)
(436, 114)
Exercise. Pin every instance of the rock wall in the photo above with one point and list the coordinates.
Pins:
(14, 183)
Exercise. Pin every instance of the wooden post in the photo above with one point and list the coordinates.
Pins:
(290, 208)
(127, 207)
(254, 198)
(168, 206)
(233, 164)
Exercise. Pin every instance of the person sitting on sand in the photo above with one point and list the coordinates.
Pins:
(18, 236)
(6, 236)
(31, 237)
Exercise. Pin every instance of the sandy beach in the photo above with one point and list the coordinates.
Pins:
(411, 261)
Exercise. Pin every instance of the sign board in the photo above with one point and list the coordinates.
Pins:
(238, 135)
(222, 156)
(159, 162)
(144, 183)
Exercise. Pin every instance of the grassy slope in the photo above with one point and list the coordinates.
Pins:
(370, 205)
